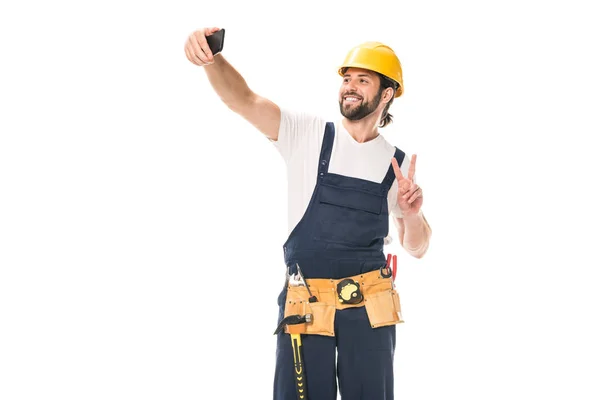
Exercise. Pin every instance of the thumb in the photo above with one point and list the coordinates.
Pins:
(210, 31)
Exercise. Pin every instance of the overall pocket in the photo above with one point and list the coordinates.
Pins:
(349, 216)
(383, 308)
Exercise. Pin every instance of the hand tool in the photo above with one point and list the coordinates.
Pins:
(311, 299)
(389, 270)
(300, 376)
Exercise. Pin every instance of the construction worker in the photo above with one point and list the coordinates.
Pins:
(345, 183)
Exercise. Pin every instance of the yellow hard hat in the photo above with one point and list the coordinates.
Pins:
(376, 57)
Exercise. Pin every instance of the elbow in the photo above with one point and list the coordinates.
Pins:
(417, 252)
(420, 251)
(420, 254)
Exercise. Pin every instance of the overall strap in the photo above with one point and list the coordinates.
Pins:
(391, 176)
(326, 148)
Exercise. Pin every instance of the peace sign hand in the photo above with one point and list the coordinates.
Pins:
(410, 195)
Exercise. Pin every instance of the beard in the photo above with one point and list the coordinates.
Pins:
(355, 113)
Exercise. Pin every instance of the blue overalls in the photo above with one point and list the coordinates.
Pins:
(341, 234)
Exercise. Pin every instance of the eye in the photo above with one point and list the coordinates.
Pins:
(364, 81)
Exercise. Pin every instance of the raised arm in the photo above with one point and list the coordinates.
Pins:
(231, 87)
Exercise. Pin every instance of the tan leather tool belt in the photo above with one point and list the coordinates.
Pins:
(370, 290)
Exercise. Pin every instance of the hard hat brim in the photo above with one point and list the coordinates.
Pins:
(400, 89)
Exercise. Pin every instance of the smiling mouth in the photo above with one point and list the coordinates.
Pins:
(352, 99)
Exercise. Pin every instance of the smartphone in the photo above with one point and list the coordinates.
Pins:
(215, 41)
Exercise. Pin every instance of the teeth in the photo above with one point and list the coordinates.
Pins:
(352, 99)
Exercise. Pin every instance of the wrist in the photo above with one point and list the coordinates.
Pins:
(413, 217)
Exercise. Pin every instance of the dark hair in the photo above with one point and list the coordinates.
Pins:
(385, 83)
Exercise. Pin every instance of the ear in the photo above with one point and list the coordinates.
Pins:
(387, 95)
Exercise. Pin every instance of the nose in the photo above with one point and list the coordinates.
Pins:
(350, 86)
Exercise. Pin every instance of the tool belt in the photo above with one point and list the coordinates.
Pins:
(373, 290)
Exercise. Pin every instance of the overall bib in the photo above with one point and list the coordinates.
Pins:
(340, 235)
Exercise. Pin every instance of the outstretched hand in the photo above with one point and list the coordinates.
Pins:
(197, 49)
(410, 195)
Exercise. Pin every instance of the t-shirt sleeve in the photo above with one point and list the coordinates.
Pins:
(295, 130)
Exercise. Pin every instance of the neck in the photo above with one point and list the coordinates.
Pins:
(362, 130)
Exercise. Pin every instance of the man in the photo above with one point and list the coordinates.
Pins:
(345, 180)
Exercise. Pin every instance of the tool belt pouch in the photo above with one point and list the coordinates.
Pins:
(323, 314)
(383, 308)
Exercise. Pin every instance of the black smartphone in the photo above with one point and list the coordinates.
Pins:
(216, 41)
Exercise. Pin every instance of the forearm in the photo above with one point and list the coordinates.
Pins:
(229, 85)
(416, 235)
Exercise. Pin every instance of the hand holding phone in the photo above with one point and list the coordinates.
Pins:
(203, 45)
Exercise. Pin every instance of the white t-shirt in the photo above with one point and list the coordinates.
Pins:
(299, 143)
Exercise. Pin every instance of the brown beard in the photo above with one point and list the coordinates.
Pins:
(363, 110)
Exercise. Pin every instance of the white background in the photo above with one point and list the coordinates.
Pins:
(141, 221)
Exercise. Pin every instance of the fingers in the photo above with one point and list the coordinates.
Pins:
(210, 31)
(192, 58)
(411, 168)
(404, 187)
(412, 194)
(418, 193)
(397, 171)
(194, 48)
(201, 38)
(197, 50)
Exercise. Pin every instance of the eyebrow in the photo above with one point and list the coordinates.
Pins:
(363, 74)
